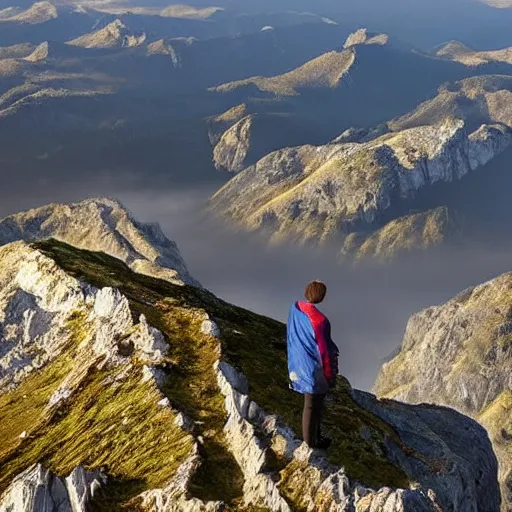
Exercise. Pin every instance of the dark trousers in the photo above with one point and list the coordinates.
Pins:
(312, 418)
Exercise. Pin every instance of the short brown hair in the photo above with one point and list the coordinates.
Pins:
(315, 292)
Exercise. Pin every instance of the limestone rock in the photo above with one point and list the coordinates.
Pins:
(42, 308)
(458, 354)
(149, 341)
(152, 374)
(174, 497)
(232, 150)
(315, 194)
(434, 454)
(111, 229)
(210, 328)
(114, 35)
(38, 489)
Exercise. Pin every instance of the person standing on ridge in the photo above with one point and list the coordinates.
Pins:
(312, 360)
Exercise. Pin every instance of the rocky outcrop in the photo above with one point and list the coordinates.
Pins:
(114, 35)
(314, 193)
(477, 100)
(444, 475)
(38, 489)
(248, 139)
(110, 229)
(362, 36)
(39, 12)
(232, 150)
(42, 307)
(458, 354)
(217, 125)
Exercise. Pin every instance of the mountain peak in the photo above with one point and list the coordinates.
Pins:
(101, 224)
(362, 36)
(39, 12)
(114, 35)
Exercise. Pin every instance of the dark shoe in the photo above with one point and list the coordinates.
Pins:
(323, 443)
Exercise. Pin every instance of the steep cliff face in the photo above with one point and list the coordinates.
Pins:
(314, 193)
(104, 225)
(459, 354)
(360, 189)
(161, 397)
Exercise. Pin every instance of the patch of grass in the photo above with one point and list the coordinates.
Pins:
(114, 425)
(23, 409)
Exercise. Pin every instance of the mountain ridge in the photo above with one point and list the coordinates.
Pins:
(132, 358)
(109, 227)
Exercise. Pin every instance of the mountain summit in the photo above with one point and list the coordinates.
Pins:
(101, 225)
(123, 391)
(114, 35)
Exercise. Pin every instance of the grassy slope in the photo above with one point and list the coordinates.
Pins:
(254, 344)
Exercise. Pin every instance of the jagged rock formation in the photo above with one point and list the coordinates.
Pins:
(102, 225)
(362, 36)
(114, 35)
(457, 51)
(160, 401)
(220, 124)
(232, 149)
(37, 489)
(338, 191)
(458, 354)
(39, 12)
(274, 112)
(317, 193)
(477, 100)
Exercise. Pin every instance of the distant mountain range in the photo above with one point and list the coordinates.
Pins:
(351, 138)
(358, 188)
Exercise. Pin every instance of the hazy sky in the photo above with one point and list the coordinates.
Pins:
(368, 307)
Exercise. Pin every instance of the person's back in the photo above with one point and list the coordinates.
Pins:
(312, 359)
